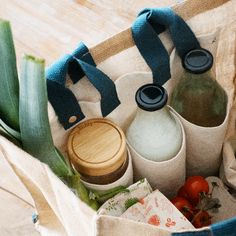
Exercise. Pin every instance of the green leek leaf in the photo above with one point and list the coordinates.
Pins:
(35, 129)
(34, 123)
(9, 84)
(74, 182)
(7, 135)
(9, 130)
(30, 114)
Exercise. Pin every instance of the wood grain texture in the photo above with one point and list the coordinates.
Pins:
(97, 147)
(49, 29)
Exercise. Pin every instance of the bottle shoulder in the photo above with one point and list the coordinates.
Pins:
(197, 83)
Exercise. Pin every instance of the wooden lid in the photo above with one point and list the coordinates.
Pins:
(97, 147)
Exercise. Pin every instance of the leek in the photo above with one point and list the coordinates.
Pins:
(24, 119)
(34, 123)
(35, 129)
(9, 84)
(7, 135)
(9, 130)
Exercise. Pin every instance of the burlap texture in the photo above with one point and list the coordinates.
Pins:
(35, 186)
(123, 40)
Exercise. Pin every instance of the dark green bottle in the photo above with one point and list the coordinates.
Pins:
(198, 97)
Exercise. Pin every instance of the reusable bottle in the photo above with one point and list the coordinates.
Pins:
(154, 133)
(198, 97)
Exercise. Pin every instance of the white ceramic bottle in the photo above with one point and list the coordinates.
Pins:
(154, 133)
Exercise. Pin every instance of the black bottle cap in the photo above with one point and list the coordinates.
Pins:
(198, 61)
(151, 97)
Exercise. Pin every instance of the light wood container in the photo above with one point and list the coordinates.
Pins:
(97, 147)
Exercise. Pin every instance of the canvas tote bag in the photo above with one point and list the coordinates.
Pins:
(228, 166)
(28, 187)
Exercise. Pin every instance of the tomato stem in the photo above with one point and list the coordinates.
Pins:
(214, 185)
(194, 218)
(187, 209)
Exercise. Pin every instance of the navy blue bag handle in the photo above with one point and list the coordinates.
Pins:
(153, 21)
(145, 30)
(78, 64)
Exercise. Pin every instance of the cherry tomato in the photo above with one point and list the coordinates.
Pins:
(201, 219)
(194, 187)
(184, 206)
(182, 193)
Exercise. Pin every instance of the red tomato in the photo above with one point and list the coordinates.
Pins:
(194, 187)
(184, 206)
(201, 219)
(182, 193)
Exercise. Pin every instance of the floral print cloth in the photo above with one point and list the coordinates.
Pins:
(156, 209)
(117, 205)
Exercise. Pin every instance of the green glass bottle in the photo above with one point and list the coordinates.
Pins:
(198, 97)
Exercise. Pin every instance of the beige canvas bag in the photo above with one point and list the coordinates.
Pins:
(29, 186)
(228, 166)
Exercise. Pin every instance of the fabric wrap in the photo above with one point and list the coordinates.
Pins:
(76, 65)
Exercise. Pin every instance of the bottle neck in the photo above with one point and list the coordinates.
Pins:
(158, 114)
(206, 75)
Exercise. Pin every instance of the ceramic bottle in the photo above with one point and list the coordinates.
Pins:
(154, 133)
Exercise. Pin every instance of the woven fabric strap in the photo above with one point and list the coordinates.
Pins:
(205, 232)
(76, 65)
(145, 30)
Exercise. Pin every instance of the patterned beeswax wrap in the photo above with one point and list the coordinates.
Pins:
(156, 209)
(117, 205)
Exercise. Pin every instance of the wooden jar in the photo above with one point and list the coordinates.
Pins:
(97, 150)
